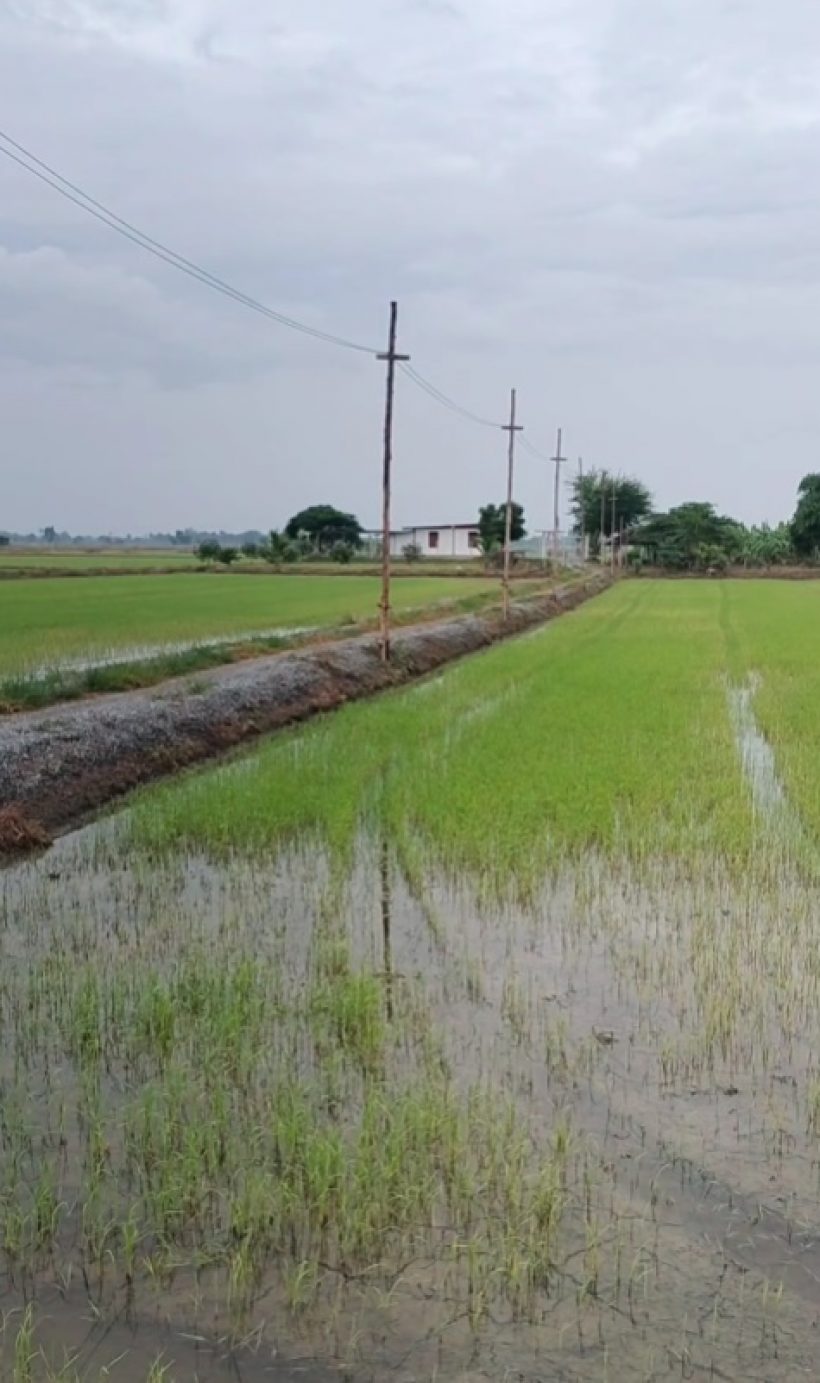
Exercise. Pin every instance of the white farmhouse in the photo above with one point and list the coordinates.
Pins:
(443, 540)
(440, 539)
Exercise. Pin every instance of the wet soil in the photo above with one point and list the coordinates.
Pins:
(701, 1205)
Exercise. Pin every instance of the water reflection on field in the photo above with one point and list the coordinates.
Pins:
(293, 1117)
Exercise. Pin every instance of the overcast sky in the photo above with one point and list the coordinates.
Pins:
(613, 205)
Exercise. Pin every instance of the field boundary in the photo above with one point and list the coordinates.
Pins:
(58, 765)
(734, 573)
(520, 573)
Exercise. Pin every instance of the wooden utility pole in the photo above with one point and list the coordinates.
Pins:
(583, 537)
(603, 518)
(512, 428)
(612, 534)
(559, 461)
(392, 357)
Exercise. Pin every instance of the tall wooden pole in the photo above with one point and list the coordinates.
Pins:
(612, 534)
(392, 357)
(512, 428)
(603, 518)
(583, 534)
(559, 461)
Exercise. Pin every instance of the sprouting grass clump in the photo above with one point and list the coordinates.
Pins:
(203, 1113)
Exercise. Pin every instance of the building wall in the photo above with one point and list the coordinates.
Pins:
(445, 540)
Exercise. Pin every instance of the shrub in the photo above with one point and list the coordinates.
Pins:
(209, 551)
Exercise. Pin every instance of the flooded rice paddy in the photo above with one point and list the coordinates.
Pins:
(470, 1034)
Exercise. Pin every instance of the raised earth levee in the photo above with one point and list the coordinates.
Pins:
(59, 764)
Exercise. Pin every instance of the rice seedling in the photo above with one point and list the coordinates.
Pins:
(473, 1028)
(67, 631)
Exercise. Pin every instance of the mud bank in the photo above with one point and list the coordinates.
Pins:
(56, 765)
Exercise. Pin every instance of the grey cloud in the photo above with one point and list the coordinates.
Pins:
(608, 204)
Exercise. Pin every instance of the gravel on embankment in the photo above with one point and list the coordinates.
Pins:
(58, 764)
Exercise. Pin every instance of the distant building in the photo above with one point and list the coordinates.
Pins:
(443, 539)
(432, 540)
(463, 541)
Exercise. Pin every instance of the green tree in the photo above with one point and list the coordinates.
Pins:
(250, 549)
(592, 503)
(4, 539)
(325, 526)
(766, 547)
(228, 555)
(492, 520)
(342, 553)
(690, 536)
(209, 550)
(805, 526)
(279, 549)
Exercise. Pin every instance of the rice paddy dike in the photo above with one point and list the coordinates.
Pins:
(53, 627)
(471, 1032)
(58, 764)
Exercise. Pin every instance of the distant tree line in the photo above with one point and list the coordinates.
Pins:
(318, 532)
(691, 536)
(606, 509)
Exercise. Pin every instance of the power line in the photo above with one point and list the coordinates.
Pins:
(75, 194)
(539, 455)
(46, 174)
(445, 400)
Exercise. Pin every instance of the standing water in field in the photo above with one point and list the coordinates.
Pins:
(290, 1114)
(756, 753)
(428, 1043)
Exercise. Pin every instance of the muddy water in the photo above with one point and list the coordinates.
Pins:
(122, 1346)
(756, 754)
(669, 1022)
(138, 653)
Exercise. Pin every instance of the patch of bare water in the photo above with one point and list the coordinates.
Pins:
(73, 1340)
(668, 1023)
(138, 653)
(756, 754)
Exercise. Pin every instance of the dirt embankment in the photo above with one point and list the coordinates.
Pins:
(59, 764)
(733, 574)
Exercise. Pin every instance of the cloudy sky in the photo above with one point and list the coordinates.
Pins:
(613, 205)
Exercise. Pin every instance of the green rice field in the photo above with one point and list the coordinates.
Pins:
(74, 560)
(469, 1033)
(49, 623)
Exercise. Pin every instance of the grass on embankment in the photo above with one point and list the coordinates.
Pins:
(30, 691)
(48, 624)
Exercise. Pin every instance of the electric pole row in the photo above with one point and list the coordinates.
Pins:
(393, 357)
